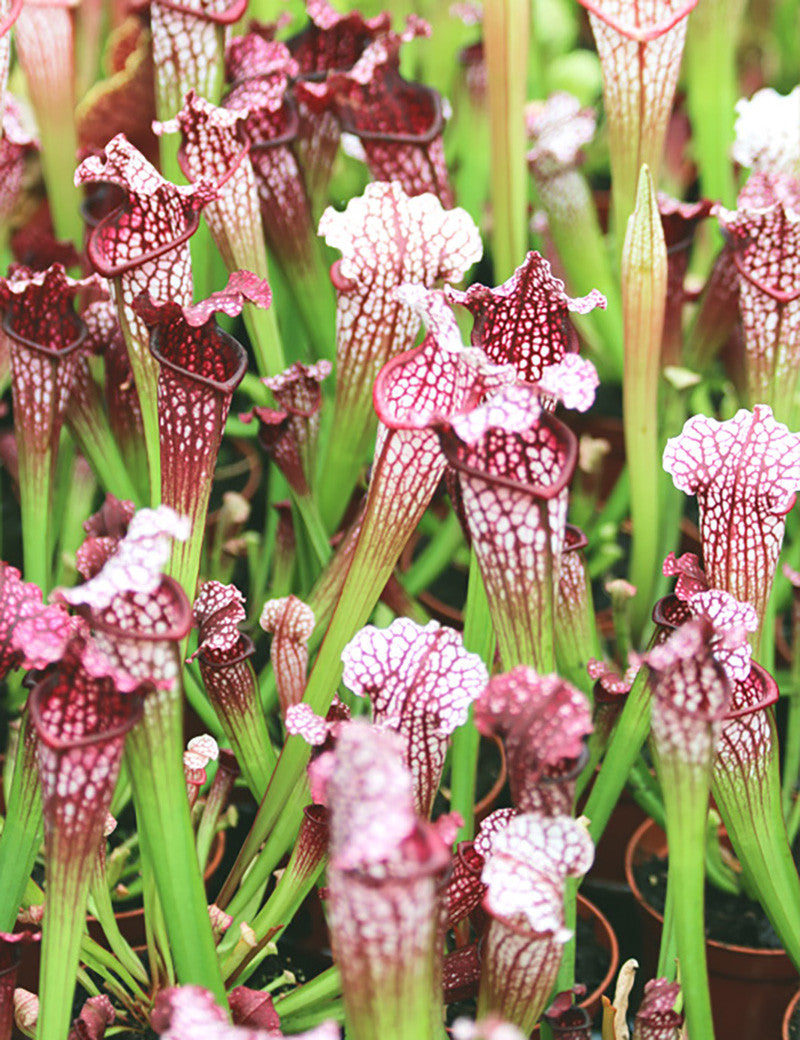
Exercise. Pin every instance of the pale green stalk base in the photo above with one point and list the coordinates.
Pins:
(711, 93)
(668, 950)
(791, 752)
(154, 757)
(750, 806)
(310, 288)
(58, 156)
(280, 819)
(97, 443)
(325, 987)
(68, 880)
(35, 499)
(145, 375)
(100, 906)
(623, 750)
(309, 1020)
(479, 639)
(274, 916)
(685, 789)
(506, 27)
(318, 540)
(184, 561)
(346, 448)
(265, 338)
(22, 830)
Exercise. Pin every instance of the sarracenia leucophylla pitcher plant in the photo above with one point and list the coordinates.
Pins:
(282, 122)
(139, 620)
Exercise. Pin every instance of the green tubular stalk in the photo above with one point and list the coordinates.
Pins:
(63, 926)
(646, 792)
(55, 118)
(312, 293)
(793, 822)
(100, 906)
(566, 969)
(478, 638)
(711, 81)
(96, 957)
(274, 916)
(347, 446)
(265, 337)
(330, 1012)
(145, 375)
(623, 750)
(102, 452)
(315, 529)
(644, 286)
(242, 720)
(23, 830)
(668, 951)
(193, 688)
(791, 749)
(685, 788)
(747, 795)
(374, 558)
(283, 822)
(506, 28)
(35, 497)
(154, 757)
(327, 986)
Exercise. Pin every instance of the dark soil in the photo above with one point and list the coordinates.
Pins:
(731, 919)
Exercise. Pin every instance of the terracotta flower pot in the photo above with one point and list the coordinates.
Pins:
(749, 987)
(792, 1011)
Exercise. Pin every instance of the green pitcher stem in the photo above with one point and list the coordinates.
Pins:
(581, 247)
(23, 831)
(506, 33)
(315, 528)
(154, 757)
(435, 557)
(35, 495)
(623, 750)
(104, 456)
(325, 987)
(274, 916)
(479, 639)
(101, 907)
(145, 375)
(265, 337)
(347, 445)
(668, 950)
(685, 788)
(712, 90)
(749, 801)
(68, 881)
(281, 822)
